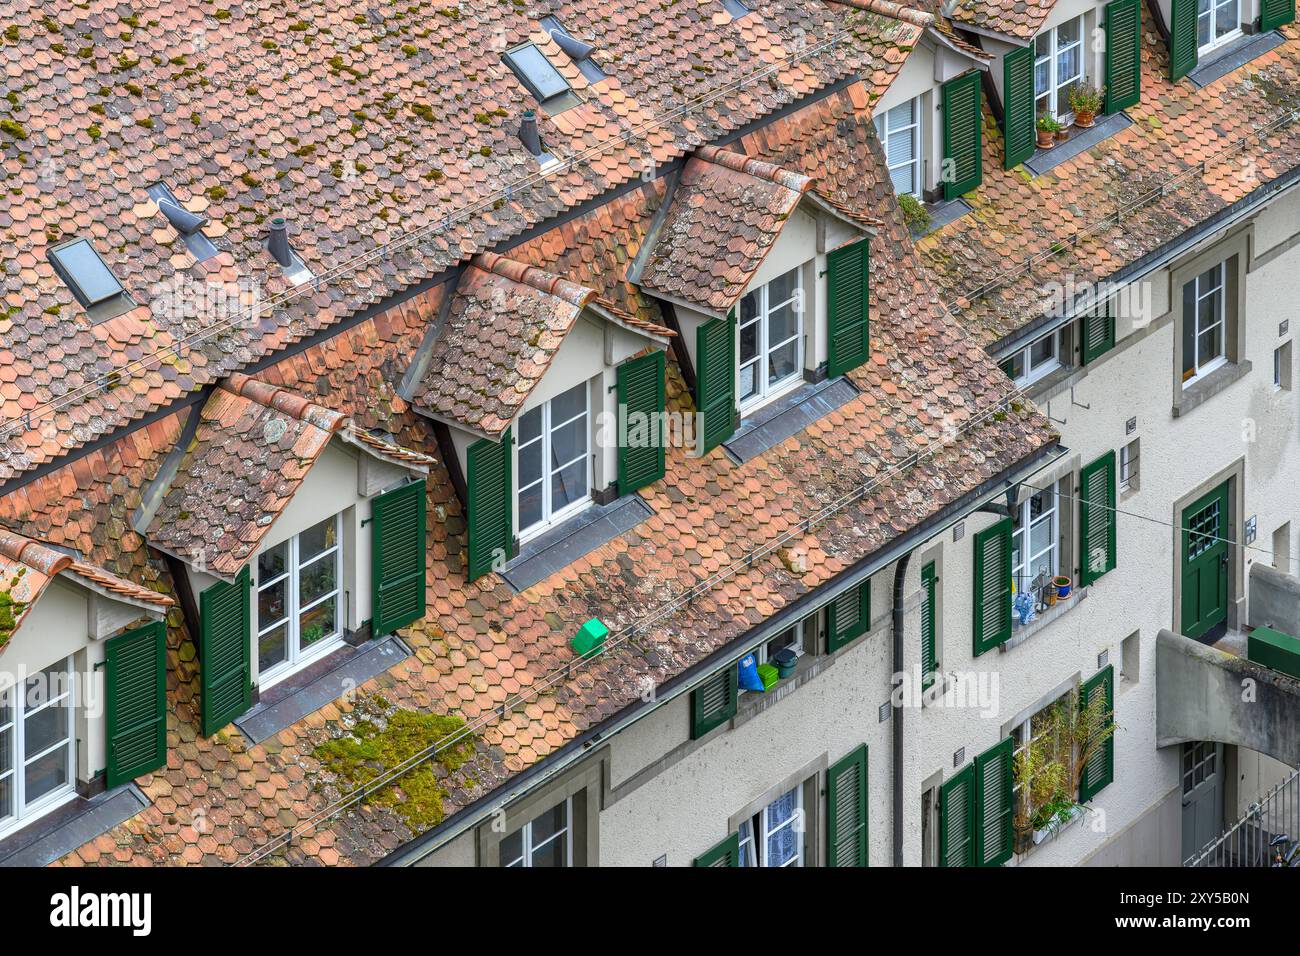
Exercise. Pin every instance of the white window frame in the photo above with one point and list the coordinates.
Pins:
(886, 135)
(1129, 467)
(21, 812)
(1219, 286)
(753, 851)
(529, 850)
(296, 658)
(768, 391)
(1023, 574)
(551, 518)
(1032, 371)
(1210, 16)
(1058, 87)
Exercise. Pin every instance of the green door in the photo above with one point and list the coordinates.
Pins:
(1205, 566)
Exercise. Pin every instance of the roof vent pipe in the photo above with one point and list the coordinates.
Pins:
(528, 134)
(182, 220)
(278, 242)
(576, 49)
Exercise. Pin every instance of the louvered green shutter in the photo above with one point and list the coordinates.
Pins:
(715, 398)
(641, 399)
(1098, 332)
(225, 653)
(963, 125)
(848, 616)
(1019, 138)
(993, 805)
(929, 658)
(992, 586)
(136, 685)
(1276, 13)
(957, 819)
(1099, 771)
(1096, 518)
(848, 275)
(397, 551)
(713, 703)
(1123, 54)
(726, 853)
(489, 492)
(846, 810)
(1182, 39)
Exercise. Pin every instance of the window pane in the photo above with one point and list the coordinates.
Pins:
(904, 179)
(1067, 70)
(569, 442)
(6, 797)
(45, 775)
(512, 849)
(749, 306)
(1042, 44)
(271, 648)
(748, 341)
(1208, 280)
(1041, 538)
(1208, 311)
(316, 624)
(1040, 503)
(902, 147)
(530, 505)
(1042, 77)
(316, 539)
(783, 362)
(271, 605)
(43, 687)
(1067, 33)
(271, 562)
(782, 288)
(782, 324)
(1044, 350)
(1210, 345)
(569, 485)
(553, 854)
(783, 640)
(568, 404)
(530, 425)
(6, 751)
(550, 823)
(1203, 29)
(530, 463)
(317, 579)
(748, 383)
(901, 116)
(1225, 19)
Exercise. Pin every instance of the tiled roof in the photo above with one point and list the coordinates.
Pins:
(1029, 236)
(360, 127)
(254, 444)
(926, 388)
(506, 323)
(1020, 19)
(723, 219)
(28, 566)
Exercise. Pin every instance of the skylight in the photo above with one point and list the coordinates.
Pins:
(735, 8)
(542, 79)
(90, 280)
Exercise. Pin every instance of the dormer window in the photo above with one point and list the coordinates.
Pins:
(92, 282)
(1058, 65)
(1217, 22)
(554, 467)
(771, 340)
(541, 78)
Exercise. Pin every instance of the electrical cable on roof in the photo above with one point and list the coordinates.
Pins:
(389, 775)
(583, 157)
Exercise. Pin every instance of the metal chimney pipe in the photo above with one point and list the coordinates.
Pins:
(576, 49)
(528, 133)
(184, 221)
(278, 242)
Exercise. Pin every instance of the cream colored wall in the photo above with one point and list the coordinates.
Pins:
(923, 74)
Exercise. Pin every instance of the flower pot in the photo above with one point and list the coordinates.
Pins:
(1084, 119)
(1062, 135)
(1063, 586)
(1044, 139)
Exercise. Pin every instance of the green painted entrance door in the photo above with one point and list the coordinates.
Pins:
(1205, 566)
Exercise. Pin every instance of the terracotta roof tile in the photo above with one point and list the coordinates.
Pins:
(1013, 18)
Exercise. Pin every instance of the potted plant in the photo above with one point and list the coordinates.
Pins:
(1047, 129)
(1085, 102)
(1063, 585)
(915, 215)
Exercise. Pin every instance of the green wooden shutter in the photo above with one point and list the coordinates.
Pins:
(489, 492)
(1275, 13)
(848, 276)
(1097, 330)
(1100, 769)
(397, 553)
(136, 685)
(992, 586)
(963, 125)
(846, 810)
(225, 653)
(641, 399)
(929, 656)
(715, 398)
(1019, 136)
(1123, 54)
(993, 805)
(1096, 518)
(1182, 39)
(848, 616)
(957, 819)
(713, 703)
(726, 853)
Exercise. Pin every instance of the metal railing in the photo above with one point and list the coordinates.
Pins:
(1249, 841)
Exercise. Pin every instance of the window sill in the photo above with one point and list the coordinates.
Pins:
(1210, 385)
(579, 535)
(1221, 61)
(1072, 818)
(752, 703)
(72, 824)
(1079, 141)
(1023, 632)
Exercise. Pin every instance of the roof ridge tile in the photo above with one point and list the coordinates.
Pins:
(524, 274)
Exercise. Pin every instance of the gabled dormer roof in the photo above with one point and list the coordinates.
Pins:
(27, 567)
(253, 446)
(504, 325)
(723, 218)
(1014, 20)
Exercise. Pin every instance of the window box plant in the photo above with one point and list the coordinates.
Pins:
(1047, 129)
(1085, 103)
